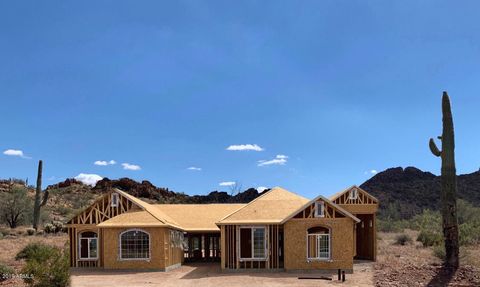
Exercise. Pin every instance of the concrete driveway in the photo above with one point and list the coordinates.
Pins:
(207, 274)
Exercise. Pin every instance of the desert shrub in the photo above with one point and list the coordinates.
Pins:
(439, 251)
(63, 210)
(34, 251)
(4, 231)
(429, 238)
(47, 268)
(469, 234)
(403, 239)
(427, 220)
(30, 231)
(390, 225)
(467, 213)
(5, 272)
(1, 235)
(15, 205)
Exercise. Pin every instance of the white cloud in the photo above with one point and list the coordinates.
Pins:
(227, 183)
(128, 166)
(15, 152)
(372, 171)
(240, 147)
(90, 179)
(104, 162)
(280, 159)
(194, 168)
(261, 188)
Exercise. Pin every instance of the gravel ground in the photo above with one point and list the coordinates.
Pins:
(209, 274)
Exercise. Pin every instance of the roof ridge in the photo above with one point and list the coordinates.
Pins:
(261, 196)
(147, 207)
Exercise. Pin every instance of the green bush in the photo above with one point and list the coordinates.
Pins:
(5, 272)
(34, 251)
(389, 225)
(439, 251)
(469, 234)
(403, 239)
(46, 266)
(429, 238)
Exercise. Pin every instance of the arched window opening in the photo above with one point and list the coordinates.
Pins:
(134, 244)
(318, 243)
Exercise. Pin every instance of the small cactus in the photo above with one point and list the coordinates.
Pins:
(449, 184)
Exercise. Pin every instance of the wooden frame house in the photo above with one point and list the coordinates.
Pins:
(279, 230)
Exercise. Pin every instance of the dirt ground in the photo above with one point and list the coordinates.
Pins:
(409, 265)
(414, 265)
(210, 274)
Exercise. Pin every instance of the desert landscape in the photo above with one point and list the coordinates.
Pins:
(397, 265)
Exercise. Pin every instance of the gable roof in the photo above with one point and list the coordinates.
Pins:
(270, 208)
(198, 217)
(139, 218)
(338, 194)
(321, 197)
(150, 208)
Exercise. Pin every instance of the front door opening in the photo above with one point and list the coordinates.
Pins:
(365, 237)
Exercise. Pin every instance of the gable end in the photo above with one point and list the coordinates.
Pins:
(103, 209)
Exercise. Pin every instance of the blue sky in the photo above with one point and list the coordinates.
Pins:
(327, 90)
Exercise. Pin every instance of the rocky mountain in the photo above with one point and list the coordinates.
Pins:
(149, 192)
(404, 192)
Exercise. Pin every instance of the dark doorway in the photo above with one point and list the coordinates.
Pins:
(202, 247)
(365, 237)
(245, 243)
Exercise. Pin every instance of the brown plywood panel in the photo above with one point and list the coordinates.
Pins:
(341, 243)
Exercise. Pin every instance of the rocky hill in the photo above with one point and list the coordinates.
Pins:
(403, 192)
(149, 192)
(406, 192)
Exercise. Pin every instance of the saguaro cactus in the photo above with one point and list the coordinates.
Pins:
(449, 184)
(38, 194)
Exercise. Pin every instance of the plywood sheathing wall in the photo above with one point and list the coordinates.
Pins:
(341, 243)
(112, 256)
(173, 252)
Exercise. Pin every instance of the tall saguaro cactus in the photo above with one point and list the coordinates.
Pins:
(38, 194)
(449, 184)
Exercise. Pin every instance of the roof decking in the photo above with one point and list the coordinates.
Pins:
(274, 207)
(198, 217)
(133, 219)
(271, 208)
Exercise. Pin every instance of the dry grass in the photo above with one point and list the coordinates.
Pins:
(11, 245)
